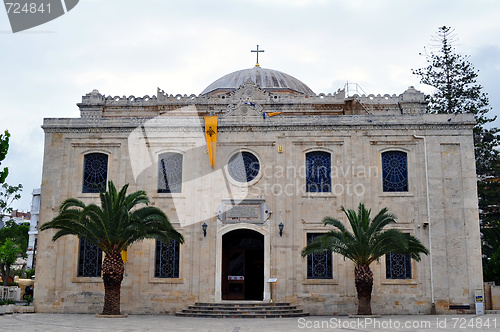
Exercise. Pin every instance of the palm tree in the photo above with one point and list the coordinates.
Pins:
(113, 227)
(367, 243)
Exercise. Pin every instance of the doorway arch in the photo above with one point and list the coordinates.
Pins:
(242, 266)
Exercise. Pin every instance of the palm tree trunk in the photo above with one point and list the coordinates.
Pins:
(112, 276)
(364, 285)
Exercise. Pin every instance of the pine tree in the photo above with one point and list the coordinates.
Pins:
(457, 91)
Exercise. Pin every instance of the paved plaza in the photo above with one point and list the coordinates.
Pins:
(74, 322)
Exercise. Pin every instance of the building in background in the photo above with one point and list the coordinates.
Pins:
(33, 232)
(19, 217)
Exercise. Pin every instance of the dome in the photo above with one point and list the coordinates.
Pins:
(266, 79)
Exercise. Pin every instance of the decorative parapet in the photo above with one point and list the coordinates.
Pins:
(413, 95)
(376, 99)
(93, 98)
(94, 104)
(413, 102)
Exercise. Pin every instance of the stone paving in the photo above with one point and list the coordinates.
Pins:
(74, 322)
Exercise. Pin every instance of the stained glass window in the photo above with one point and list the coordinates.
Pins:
(319, 265)
(89, 259)
(243, 167)
(394, 171)
(167, 259)
(170, 172)
(318, 172)
(95, 172)
(397, 266)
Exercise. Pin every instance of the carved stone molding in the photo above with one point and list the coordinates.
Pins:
(253, 210)
(95, 145)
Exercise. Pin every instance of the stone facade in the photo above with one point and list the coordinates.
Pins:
(439, 206)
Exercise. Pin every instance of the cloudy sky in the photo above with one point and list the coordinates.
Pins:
(132, 47)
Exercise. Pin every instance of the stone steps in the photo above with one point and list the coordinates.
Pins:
(242, 310)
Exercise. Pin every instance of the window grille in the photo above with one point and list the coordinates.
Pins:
(89, 259)
(397, 266)
(170, 172)
(319, 265)
(167, 259)
(243, 167)
(394, 171)
(318, 172)
(95, 172)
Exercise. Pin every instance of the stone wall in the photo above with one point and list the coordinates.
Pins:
(440, 206)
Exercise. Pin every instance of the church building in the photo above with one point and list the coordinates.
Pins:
(246, 171)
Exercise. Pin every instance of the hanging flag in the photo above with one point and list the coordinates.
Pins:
(211, 135)
(124, 256)
(273, 113)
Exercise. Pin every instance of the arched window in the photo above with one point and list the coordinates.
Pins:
(95, 172)
(170, 172)
(167, 259)
(318, 172)
(89, 259)
(243, 167)
(394, 171)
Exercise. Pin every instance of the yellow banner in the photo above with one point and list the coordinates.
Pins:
(211, 135)
(124, 256)
(273, 113)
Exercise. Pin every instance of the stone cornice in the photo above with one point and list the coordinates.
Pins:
(54, 128)
(173, 121)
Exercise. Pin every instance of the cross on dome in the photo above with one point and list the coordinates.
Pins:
(257, 51)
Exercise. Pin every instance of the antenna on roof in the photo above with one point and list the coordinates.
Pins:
(352, 89)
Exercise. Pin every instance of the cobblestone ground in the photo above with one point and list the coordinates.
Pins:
(74, 323)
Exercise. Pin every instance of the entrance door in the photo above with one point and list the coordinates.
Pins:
(243, 265)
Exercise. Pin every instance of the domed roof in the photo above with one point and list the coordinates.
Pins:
(266, 79)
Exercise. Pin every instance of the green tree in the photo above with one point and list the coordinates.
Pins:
(491, 253)
(113, 227)
(13, 245)
(9, 252)
(488, 189)
(8, 194)
(4, 147)
(456, 90)
(367, 242)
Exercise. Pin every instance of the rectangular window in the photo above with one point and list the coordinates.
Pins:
(319, 265)
(89, 259)
(167, 259)
(397, 266)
